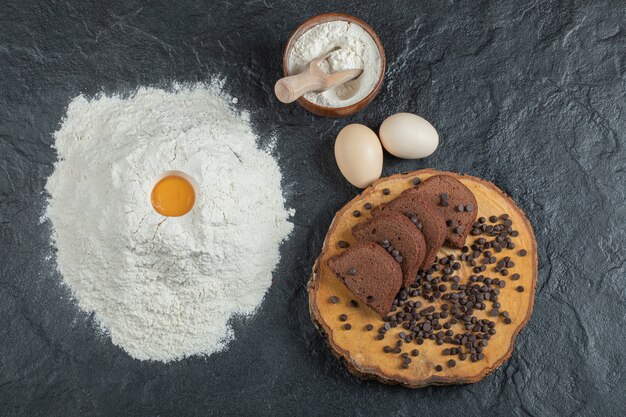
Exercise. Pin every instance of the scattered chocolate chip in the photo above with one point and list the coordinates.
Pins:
(515, 277)
(343, 317)
(520, 288)
(460, 208)
(505, 217)
(458, 230)
(415, 352)
(352, 271)
(347, 326)
(343, 244)
(416, 181)
(367, 206)
(354, 303)
(451, 363)
(369, 327)
(438, 368)
(334, 299)
(387, 349)
(469, 208)
(386, 191)
(356, 213)
(508, 320)
(522, 252)
(493, 219)
(370, 299)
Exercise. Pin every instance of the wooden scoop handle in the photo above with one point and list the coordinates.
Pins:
(290, 88)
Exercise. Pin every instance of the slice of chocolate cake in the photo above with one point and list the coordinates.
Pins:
(426, 218)
(454, 201)
(399, 237)
(371, 273)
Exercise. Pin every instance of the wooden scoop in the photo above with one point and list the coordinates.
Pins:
(290, 88)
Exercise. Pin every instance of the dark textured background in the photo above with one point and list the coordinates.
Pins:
(529, 95)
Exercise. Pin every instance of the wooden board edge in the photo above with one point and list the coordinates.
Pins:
(375, 373)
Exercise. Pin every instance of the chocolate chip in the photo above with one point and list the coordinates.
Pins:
(370, 299)
(460, 208)
(343, 244)
(386, 191)
(385, 244)
(369, 327)
(416, 181)
(469, 208)
(352, 271)
(347, 326)
(520, 288)
(522, 252)
(415, 352)
(367, 206)
(507, 320)
(397, 350)
(458, 230)
(505, 217)
(356, 213)
(438, 368)
(493, 219)
(354, 303)
(343, 317)
(387, 349)
(444, 203)
(515, 277)
(451, 363)
(334, 299)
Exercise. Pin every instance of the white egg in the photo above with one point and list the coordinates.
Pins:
(408, 136)
(359, 155)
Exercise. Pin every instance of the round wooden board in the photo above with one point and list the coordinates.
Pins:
(359, 348)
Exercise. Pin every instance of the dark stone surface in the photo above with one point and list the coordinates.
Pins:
(528, 95)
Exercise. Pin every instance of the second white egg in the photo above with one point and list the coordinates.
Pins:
(408, 136)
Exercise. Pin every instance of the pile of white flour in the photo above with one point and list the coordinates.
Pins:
(358, 51)
(165, 288)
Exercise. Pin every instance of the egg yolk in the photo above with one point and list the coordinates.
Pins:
(173, 196)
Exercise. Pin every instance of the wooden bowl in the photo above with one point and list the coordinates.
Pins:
(335, 111)
(362, 352)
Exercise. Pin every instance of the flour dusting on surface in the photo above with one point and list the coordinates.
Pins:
(165, 288)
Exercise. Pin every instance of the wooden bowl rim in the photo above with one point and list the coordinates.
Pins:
(330, 17)
(374, 372)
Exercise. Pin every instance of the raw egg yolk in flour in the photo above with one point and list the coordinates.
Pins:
(173, 196)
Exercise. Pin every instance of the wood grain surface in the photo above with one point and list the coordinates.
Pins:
(359, 348)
